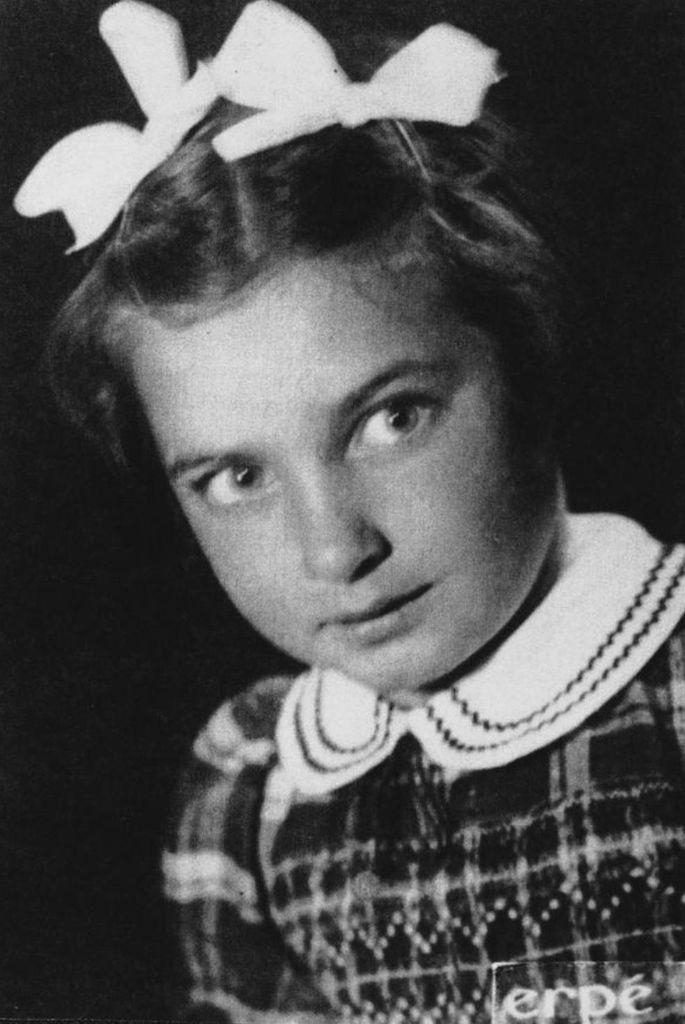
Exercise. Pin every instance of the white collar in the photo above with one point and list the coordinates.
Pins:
(619, 595)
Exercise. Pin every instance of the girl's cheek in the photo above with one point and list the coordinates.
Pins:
(245, 553)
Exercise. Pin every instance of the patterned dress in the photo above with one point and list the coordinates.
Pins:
(335, 856)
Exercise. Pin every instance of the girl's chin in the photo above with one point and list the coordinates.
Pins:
(407, 678)
(410, 669)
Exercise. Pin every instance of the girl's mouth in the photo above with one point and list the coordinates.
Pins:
(381, 620)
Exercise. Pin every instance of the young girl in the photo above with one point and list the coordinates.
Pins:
(321, 303)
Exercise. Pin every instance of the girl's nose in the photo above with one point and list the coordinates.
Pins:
(339, 543)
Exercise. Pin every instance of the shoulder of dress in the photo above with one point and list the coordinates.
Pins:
(668, 662)
(678, 634)
(241, 732)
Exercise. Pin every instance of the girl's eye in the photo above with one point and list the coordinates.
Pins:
(233, 484)
(396, 421)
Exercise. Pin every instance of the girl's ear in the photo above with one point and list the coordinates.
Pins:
(148, 46)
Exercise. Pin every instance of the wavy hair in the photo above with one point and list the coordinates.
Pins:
(198, 229)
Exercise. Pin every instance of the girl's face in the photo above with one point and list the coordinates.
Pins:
(340, 444)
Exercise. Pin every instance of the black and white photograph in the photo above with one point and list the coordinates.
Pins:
(342, 565)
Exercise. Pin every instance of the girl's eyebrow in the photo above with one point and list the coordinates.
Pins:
(344, 409)
(207, 460)
(402, 368)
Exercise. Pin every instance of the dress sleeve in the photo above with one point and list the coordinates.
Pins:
(234, 966)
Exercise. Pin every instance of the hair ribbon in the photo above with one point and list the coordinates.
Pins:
(274, 62)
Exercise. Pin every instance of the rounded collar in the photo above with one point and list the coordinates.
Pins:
(618, 596)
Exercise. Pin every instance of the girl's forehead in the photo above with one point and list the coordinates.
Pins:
(310, 308)
(305, 340)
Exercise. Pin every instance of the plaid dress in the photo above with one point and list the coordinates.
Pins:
(388, 897)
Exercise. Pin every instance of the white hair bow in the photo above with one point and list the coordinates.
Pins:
(273, 61)
(278, 63)
(90, 174)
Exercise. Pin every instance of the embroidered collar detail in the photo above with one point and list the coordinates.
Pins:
(618, 597)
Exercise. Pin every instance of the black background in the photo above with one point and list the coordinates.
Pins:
(114, 643)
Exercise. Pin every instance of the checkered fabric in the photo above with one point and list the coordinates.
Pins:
(388, 899)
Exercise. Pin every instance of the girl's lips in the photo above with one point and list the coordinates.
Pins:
(380, 621)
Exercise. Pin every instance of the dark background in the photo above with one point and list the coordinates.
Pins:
(114, 643)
